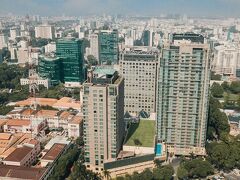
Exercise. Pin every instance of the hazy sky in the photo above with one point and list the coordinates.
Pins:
(229, 8)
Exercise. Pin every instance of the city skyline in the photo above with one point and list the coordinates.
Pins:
(206, 8)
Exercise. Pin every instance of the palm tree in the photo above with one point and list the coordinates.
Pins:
(106, 174)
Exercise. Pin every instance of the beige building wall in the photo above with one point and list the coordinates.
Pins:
(139, 69)
(103, 110)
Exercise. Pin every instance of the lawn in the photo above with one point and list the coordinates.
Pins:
(232, 97)
(143, 133)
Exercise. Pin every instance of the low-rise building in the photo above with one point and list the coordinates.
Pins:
(75, 127)
(25, 155)
(9, 142)
(24, 126)
(9, 172)
(53, 154)
(39, 81)
(18, 126)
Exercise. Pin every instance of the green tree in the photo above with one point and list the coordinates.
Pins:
(40, 42)
(225, 86)
(92, 61)
(137, 142)
(163, 173)
(5, 109)
(217, 120)
(235, 87)
(182, 173)
(217, 90)
(106, 174)
(65, 163)
(225, 156)
(147, 174)
(196, 168)
(238, 102)
(157, 163)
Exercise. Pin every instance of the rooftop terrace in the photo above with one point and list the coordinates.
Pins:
(141, 134)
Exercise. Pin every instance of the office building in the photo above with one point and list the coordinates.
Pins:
(138, 65)
(108, 47)
(103, 111)
(50, 68)
(71, 52)
(147, 38)
(45, 31)
(183, 84)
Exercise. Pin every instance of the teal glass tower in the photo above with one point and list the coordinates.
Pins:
(183, 84)
(70, 50)
(50, 68)
(108, 47)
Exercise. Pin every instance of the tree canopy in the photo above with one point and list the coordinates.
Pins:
(195, 168)
(218, 125)
(217, 90)
(159, 173)
(224, 155)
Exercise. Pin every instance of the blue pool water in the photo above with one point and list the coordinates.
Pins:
(158, 149)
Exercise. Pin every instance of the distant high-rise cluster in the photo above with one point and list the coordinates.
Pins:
(137, 87)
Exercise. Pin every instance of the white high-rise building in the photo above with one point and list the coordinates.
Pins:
(45, 31)
(94, 49)
(129, 41)
(14, 33)
(3, 41)
(227, 60)
(182, 103)
(51, 47)
(138, 65)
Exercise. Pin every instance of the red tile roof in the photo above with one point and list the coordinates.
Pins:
(18, 154)
(54, 151)
(21, 172)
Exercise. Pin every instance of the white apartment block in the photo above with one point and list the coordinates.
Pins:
(14, 33)
(138, 65)
(45, 31)
(94, 50)
(227, 60)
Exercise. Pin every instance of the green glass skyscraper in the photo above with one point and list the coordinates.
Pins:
(70, 50)
(50, 68)
(108, 47)
(183, 84)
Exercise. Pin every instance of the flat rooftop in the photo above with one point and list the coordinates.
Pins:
(141, 134)
(104, 70)
(55, 140)
(20, 172)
